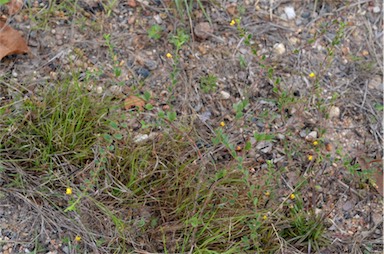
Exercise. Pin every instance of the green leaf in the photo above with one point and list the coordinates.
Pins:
(194, 222)
(148, 106)
(114, 125)
(108, 138)
(118, 136)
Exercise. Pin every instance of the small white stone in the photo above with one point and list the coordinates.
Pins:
(334, 112)
(312, 136)
(158, 19)
(290, 12)
(279, 48)
(140, 138)
(14, 74)
(99, 89)
(376, 9)
(225, 95)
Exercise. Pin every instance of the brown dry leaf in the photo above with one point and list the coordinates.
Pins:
(379, 181)
(132, 3)
(11, 41)
(14, 6)
(133, 101)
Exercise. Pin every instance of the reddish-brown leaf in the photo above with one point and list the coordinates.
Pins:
(133, 101)
(132, 3)
(11, 41)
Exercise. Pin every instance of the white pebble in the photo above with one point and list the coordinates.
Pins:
(290, 12)
(158, 19)
(99, 89)
(376, 9)
(140, 138)
(334, 112)
(312, 136)
(279, 48)
(225, 95)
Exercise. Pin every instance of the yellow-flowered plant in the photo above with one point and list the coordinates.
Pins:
(68, 191)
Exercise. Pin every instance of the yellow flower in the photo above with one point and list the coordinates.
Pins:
(265, 217)
(267, 193)
(222, 124)
(78, 238)
(233, 22)
(315, 143)
(312, 75)
(168, 55)
(310, 157)
(68, 191)
(292, 196)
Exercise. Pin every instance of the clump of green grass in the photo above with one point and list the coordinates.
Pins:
(63, 125)
(157, 193)
(208, 83)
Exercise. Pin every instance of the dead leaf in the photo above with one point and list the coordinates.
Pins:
(11, 41)
(232, 10)
(132, 3)
(14, 6)
(133, 101)
(203, 30)
(379, 181)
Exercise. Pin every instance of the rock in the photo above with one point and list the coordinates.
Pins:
(376, 9)
(225, 95)
(99, 89)
(279, 48)
(143, 72)
(158, 19)
(290, 12)
(348, 206)
(203, 30)
(334, 112)
(140, 138)
(376, 83)
(280, 136)
(65, 249)
(150, 64)
(312, 136)
(264, 146)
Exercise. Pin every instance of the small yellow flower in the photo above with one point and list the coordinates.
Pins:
(265, 217)
(267, 193)
(222, 124)
(233, 22)
(315, 143)
(312, 75)
(169, 55)
(292, 196)
(310, 157)
(68, 191)
(78, 238)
